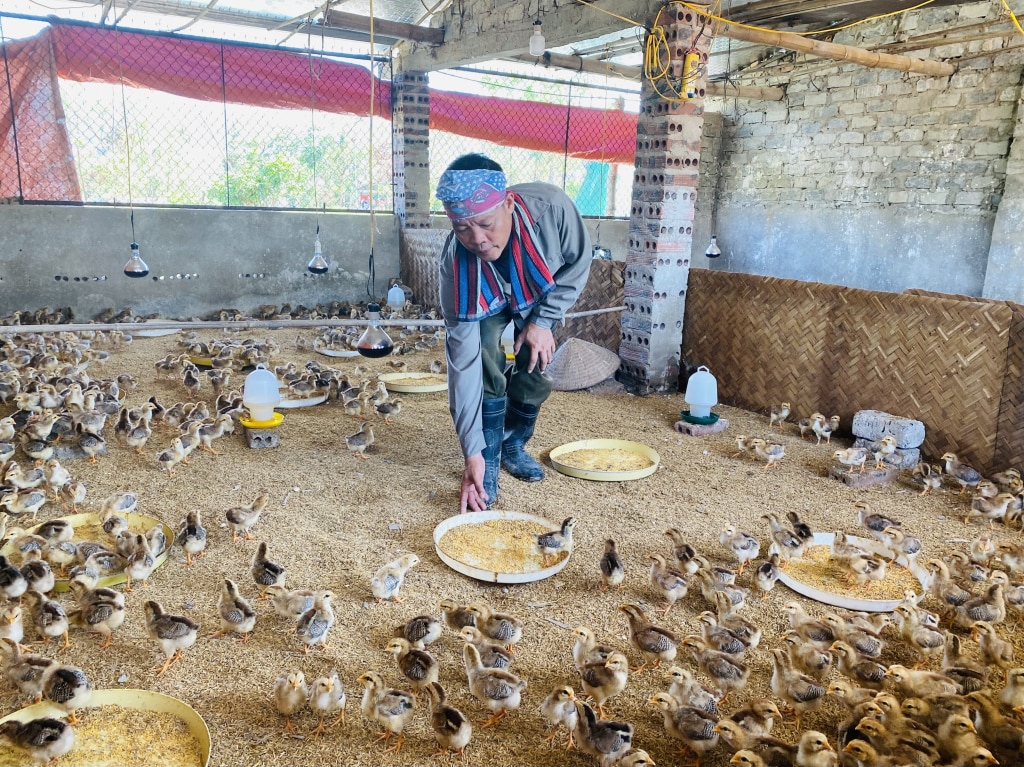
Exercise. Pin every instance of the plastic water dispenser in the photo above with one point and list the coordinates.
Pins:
(701, 393)
(262, 394)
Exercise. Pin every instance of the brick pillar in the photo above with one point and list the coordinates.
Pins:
(661, 214)
(410, 94)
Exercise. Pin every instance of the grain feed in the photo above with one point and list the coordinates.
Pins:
(605, 459)
(498, 545)
(817, 568)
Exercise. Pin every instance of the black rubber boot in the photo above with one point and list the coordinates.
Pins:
(520, 419)
(492, 412)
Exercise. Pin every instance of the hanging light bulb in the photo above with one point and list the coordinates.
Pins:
(317, 264)
(135, 267)
(374, 342)
(713, 250)
(537, 42)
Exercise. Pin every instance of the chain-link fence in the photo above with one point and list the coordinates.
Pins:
(107, 116)
(599, 185)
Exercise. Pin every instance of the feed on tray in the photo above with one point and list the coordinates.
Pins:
(605, 459)
(818, 569)
(499, 545)
(124, 737)
(424, 379)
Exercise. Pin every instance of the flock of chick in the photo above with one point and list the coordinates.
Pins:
(954, 715)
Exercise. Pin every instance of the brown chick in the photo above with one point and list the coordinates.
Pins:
(499, 690)
(801, 692)
(994, 650)
(667, 581)
(241, 518)
(603, 680)
(771, 452)
(656, 644)
(727, 673)
(866, 673)
(362, 439)
(419, 667)
(918, 683)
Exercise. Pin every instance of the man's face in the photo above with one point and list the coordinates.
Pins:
(487, 235)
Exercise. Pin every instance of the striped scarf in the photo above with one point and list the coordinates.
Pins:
(478, 292)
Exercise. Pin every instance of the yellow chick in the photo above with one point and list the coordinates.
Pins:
(390, 708)
(290, 696)
(779, 414)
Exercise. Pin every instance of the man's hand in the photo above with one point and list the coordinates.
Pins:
(542, 345)
(473, 496)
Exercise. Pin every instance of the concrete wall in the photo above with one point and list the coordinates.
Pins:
(240, 259)
(874, 178)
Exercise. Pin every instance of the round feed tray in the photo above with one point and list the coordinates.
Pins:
(335, 352)
(293, 402)
(598, 459)
(516, 546)
(845, 599)
(89, 527)
(140, 700)
(414, 382)
(269, 424)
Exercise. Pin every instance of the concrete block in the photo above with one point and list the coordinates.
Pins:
(257, 438)
(906, 458)
(701, 430)
(874, 424)
(868, 478)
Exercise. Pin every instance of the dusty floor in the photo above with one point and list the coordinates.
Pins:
(333, 520)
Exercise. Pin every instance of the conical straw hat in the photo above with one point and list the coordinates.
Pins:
(578, 364)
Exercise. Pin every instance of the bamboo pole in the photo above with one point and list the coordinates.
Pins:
(130, 327)
(580, 64)
(838, 52)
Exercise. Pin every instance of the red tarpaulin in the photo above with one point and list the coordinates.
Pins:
(211, 71)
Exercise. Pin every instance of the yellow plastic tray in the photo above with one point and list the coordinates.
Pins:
(251, 424)
(479, 517)
(140, 700)
(136, 523)
(431, 382)
(605, 444)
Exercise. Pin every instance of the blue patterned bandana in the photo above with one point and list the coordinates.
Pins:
(469, 193)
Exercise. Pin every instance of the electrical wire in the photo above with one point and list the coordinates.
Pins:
(124, 113)
(10, 100)
(371, 277)
(1013, 18)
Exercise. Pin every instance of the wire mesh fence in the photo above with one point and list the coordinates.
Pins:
(108, 116)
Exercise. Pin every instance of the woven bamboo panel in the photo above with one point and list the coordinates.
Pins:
(421, 256)
(939, 360)
(764, 339)
(1009, 444)
(604, 289)
(840, 350)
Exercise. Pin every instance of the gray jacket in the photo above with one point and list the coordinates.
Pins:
(563, 239)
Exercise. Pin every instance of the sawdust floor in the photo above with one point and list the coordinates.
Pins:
(334, 519)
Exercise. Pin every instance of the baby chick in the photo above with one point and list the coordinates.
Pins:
(501, 627)
(685, 688)
(499, 690)
(48, 617)
(68, 687)
(605, 739)
(242, 518)
(605, 679)
(420, 631)
(388, 580)
(327, 697)
(390, 708)
(656, 644)
(692, 726)
(266, 572)
(743, 545)
(800, 691)
(990, 509)
(45, 739)
(727, 673)
(362, 439)
(586, 649)
(171, 457)
(882, 449)
(852, 457)
(789, 544)
(865, 673)
(491, 655)
(290, 603)
(313, 625)
(667, 581)
(236, 614)
(772, 452)
(993, 649)
(613, 569)
(419, 667)
(779, 413)
(559, 708)
(452, 729)
(927, 477)
(192, 536)
(920, 683)
(553, 544)
(965, 475)
(174, 633)
(290, 696)
(767, 575)
(100, 611)
(456, 616)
